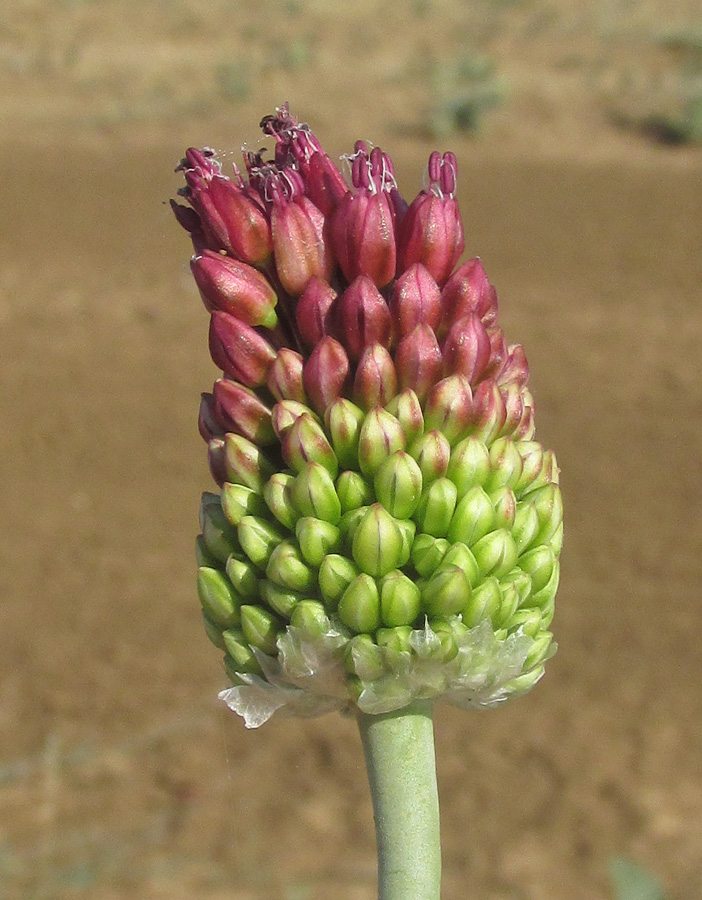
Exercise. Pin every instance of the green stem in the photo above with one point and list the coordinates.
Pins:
(399, 750)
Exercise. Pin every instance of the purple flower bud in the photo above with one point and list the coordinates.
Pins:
(363, 225)
(432, 231)
(325, 373)
(498, 353)
(234, 287)
(325, 183)
(285, 414)
(418, 361)
(238, 350)
(516, 367)
(242, 412)
(188, 219)
(208, 424)
(466, 350)
(416, 300)
(448, 407)
(375, 383)
(297, 242)
(313, 311)
(488, 414)
(514, 408)
(216, 460)
(361, 317)
(467, 291)
(284, 379)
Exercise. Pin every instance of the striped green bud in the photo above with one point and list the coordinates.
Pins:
(436, 507)
(219, 536)
(311, 617)
(459, 555)
(359, 607)
(343, 421)
(314, 495)
(316, 539)
(469, 465)
(495, 553)
(258, 537)
(428, 553)
(394, 641)
(505, 465)
(556, 541)
(398, 485)
(407, 530)
(362, 657)
(521, 582)
(526, 525)
(432, 452)
(545, 595)
(280, 599)
(213, 632)
(408, 411)
(539, 650)
(203, 557)
(524, 682)
(508, 604)
(529, 620)
(261, 628)
(219, 600)
(287, 568)
(240, 652)
(547, 612)
(353, 491)
(349, 523)
(548, 503)
(244, 578)
(400, 599)
(239, 501)
(539, 564)
(547, 475)
(277, 493)
(484, 602)
(381, 434)
(505, 505)
(448, 407)
(474, 517)
(447, 592)
(377, 542)
(245, 463)
(532, 454)
(448, 648)
(335, 574)
(305, 442)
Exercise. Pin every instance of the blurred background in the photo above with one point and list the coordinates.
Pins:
(578, 129)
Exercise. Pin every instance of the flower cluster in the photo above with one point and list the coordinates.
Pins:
(386, 527)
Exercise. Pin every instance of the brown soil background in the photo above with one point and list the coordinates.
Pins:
(120, 774)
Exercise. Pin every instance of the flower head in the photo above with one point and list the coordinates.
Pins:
(387, 528)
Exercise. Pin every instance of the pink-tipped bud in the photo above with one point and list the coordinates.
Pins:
(313, 311)
(284, 379)
(516, 367)
(416, 300)
(234, 287)
(432, 230)
(216, 460)
(498, 353)
(448, 407)
(242, 412)
(375, 383)
(238, 350)
(488, 414)
(285, 414)
(363, 225)
(325, 373)
(514, 408)
(467, 291)
(466, 349)
(325, 183)
(361, 317)
(408, 411)
(418, 361)
(208, 424)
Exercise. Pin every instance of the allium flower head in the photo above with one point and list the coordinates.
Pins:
(386, 528)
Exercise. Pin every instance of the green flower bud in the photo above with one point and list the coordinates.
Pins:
(243, 577)
(398, 485)
(353, 491)
(546, 594)
(258, 538)
(362, 657)
(505, 465)
(407, 530)
(261, 628)
(277, 493)
(287, 569)
(469, 465)
(394, 641)
(459, 555)
(240, 652)
(547, 611)
(400, 599)
(314, 495)
(239, 501)
(381, 434)
(203, 557)
(343, 421)
(484, 602)
(505, 505)
(335, 574)
(529, 620)
(427, 553)
(316, 538)
(305, 442)
(508, 604)
(548, 503)
(280, 599)
(495, 553)
(523, 683)
(521, 582)
(474, 517)
(219, 600)
(311, 617)
(432, 452)
(539, 564)
(436, 507)
(532, 454)
(448, 407)
(377, 542)
(556, 541)
(286, 412)
(526, 525)
(548, 474)
(447, 592)
(213, 632)
(539, 650)
(448, 648)
(359, 607)
(245, 463)
(408, 411)
(219, 536)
